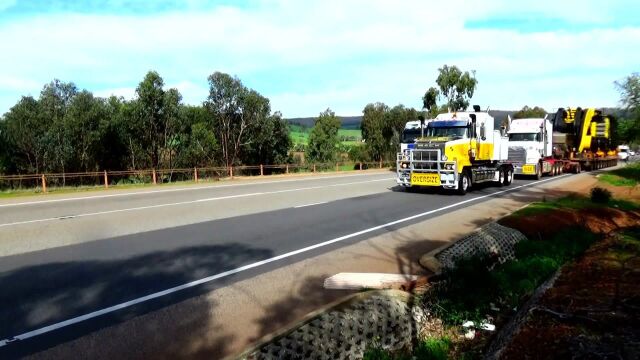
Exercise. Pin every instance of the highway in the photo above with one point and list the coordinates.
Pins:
(73, 264)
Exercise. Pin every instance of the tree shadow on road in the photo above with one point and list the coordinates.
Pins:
(37, 296)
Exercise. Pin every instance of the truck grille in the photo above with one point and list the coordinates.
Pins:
(517, 154)
(430, 158)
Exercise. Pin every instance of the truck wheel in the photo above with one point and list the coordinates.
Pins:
(577, 169)
(508, 176)
(464, 184)
(539, 172)
(501, 176)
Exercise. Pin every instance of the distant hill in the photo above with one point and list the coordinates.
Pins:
(353, 122)
(348, 122)
(500, 116)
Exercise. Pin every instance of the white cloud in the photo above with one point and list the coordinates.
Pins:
(390, 51)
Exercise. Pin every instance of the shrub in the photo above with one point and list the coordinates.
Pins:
(600, 195)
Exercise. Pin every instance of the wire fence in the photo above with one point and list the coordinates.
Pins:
(108, 179)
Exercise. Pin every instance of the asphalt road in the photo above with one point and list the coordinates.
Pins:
(72, 265)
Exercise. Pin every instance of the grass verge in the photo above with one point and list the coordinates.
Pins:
(625, 176)
(574, 202)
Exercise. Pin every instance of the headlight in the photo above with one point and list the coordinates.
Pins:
(404, 165)
(448, 166)
(444, 157)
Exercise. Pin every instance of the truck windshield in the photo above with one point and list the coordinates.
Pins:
(524, 137)
(457, 132)
(410, 135)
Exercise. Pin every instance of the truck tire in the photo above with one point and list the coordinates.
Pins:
(464, 183)
(501, 176)
(508, 176)
(539, 172)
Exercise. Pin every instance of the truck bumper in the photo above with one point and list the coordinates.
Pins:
(448, 180)
(525, 169)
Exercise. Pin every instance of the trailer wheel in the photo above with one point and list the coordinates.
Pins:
(508, 176)
(577, 169)
(464, 183)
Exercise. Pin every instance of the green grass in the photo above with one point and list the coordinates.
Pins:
(466, 292)
(427, 349)
(300, 135)
(625, 176)
(573, 202)
(433, 348)
(7, 194)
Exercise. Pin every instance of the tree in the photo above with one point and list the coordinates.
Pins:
(82, 124)
(150, 116)
(429, 101)
(54, 101)
(527, 112)
(323, 139)
(270, 141)
(457, 87)
(375, 129)
(630, 100)
(224, 103)
(24, 135)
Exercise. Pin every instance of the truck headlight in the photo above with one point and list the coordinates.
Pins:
(444, 157)
(448, 166)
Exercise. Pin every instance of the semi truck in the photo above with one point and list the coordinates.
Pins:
(458, 151)
(412, 130)
(571, 140)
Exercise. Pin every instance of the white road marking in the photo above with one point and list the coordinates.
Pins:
(306, 205)
(110, 309)
(212, 186)
(74, 216)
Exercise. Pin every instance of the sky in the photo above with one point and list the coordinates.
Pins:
(307, 56)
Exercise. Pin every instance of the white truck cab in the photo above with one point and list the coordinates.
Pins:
(530, 141)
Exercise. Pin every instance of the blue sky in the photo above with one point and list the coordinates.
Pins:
(309, 55)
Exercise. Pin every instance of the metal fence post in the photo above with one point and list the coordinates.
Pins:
(44, 184)
(106, 180)
(261, 170)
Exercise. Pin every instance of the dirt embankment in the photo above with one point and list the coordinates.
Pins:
(597, 220)
(593, 308)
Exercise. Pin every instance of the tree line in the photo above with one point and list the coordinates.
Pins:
(70, 130)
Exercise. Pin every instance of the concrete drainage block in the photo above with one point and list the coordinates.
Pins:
(492, 238)
(346, 330)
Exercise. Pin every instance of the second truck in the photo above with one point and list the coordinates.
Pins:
(569, 141)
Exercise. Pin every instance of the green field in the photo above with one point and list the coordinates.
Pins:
(300, 135)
